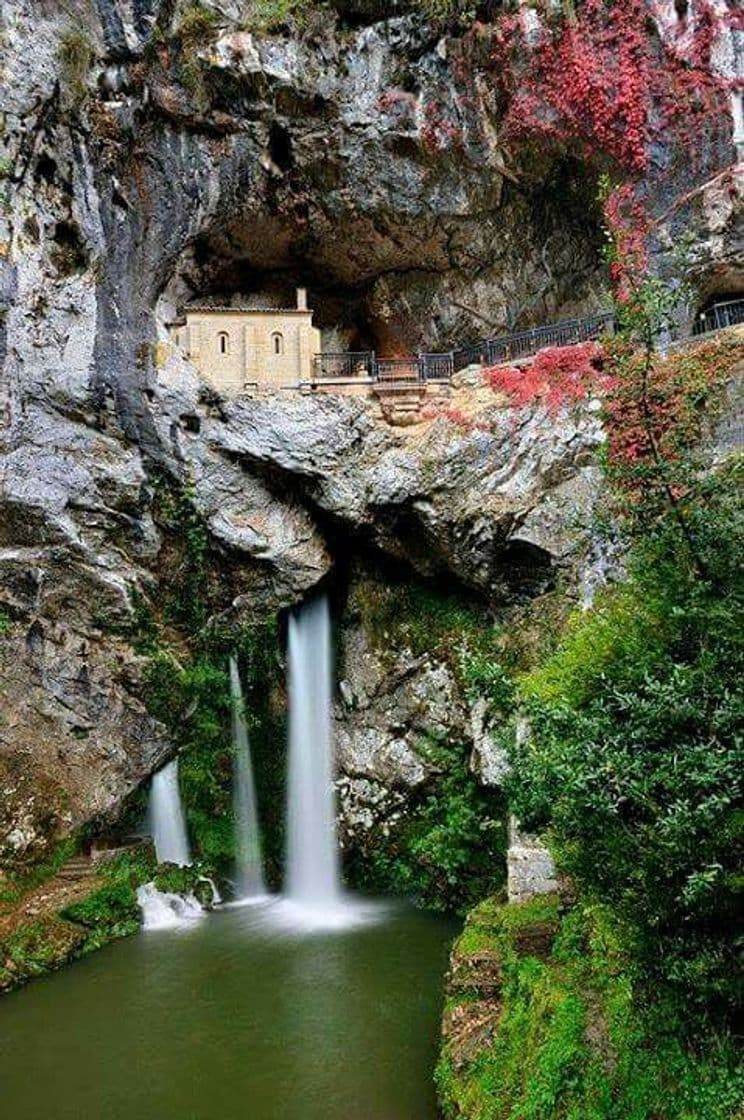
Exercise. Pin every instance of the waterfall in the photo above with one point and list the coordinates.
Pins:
(163, 910)
(167, 822)
(247, 834)
(313, 878)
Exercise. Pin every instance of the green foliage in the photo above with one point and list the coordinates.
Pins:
(448, 11)
(13, 886)
(427, 620)
(197, 26)
(39, 946)
(448, 848)
(269, 15)
(573, 1040)
(51, 940)
(188, 598)
(635, 760)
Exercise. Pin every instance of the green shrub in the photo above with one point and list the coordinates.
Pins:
(111, 911)
(634, 760)
(573, 1040)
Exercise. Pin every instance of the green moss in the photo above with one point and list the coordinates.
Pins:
(111, 911)
(50, 941)
(40, 946)
(76, 57)
(577, 1038)
(409, 614)
(269, 15)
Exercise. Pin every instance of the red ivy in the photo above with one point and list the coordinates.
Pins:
(557, 377)
(659, 409)
(605, 81)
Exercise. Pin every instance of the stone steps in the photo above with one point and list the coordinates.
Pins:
(79, 867)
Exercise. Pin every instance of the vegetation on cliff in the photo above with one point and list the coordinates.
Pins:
(632, 766)
(543, 1021)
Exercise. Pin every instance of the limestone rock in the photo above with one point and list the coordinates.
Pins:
(153, 169)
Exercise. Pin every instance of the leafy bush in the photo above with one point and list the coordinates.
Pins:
(112, 911)
(634, 759)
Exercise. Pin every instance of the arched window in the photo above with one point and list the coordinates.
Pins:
(223, 342)
(277, 343)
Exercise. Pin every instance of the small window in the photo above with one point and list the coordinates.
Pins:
(277, 342)
(223, 342)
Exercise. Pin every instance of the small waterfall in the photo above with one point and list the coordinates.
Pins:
(313, 877)
(247, 834)
(163, 910)
(167, 822)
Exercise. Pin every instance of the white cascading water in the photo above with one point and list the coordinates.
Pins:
(313, 875)
(163, 910)
(247, 833)
(167, 821)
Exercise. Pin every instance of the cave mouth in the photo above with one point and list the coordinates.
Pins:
(724, 308)
(388, 279)
(340, 313)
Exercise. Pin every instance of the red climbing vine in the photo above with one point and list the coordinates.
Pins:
(556, 377)
(608, 82)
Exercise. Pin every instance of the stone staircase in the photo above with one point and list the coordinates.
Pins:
(76, 868)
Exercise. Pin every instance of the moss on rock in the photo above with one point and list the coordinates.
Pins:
(545, 1021)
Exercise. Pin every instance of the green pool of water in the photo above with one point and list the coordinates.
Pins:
(234, 1019)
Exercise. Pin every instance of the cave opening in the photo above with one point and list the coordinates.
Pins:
(722, 308)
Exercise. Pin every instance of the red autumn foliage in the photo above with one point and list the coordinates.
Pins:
(604, 81)
(557, 377)
(629, 224)
(656, 410)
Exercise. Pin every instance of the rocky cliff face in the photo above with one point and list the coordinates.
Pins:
(150, 152)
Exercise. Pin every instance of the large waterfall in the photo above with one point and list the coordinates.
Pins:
(167, 822)
(248, 837)
(313, 878)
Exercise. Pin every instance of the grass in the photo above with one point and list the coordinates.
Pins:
(14, 886)
(49, 941)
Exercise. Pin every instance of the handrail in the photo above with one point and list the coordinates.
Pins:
(415, 370)
(344, 364)
(728, 313)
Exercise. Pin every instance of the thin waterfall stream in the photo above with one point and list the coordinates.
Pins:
(249, 859)
(167, 820)
(313, 873)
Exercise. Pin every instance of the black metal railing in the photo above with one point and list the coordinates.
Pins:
(350, 364)
(402, 372)
(437, 367)
(729, 313)
(513, 347)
